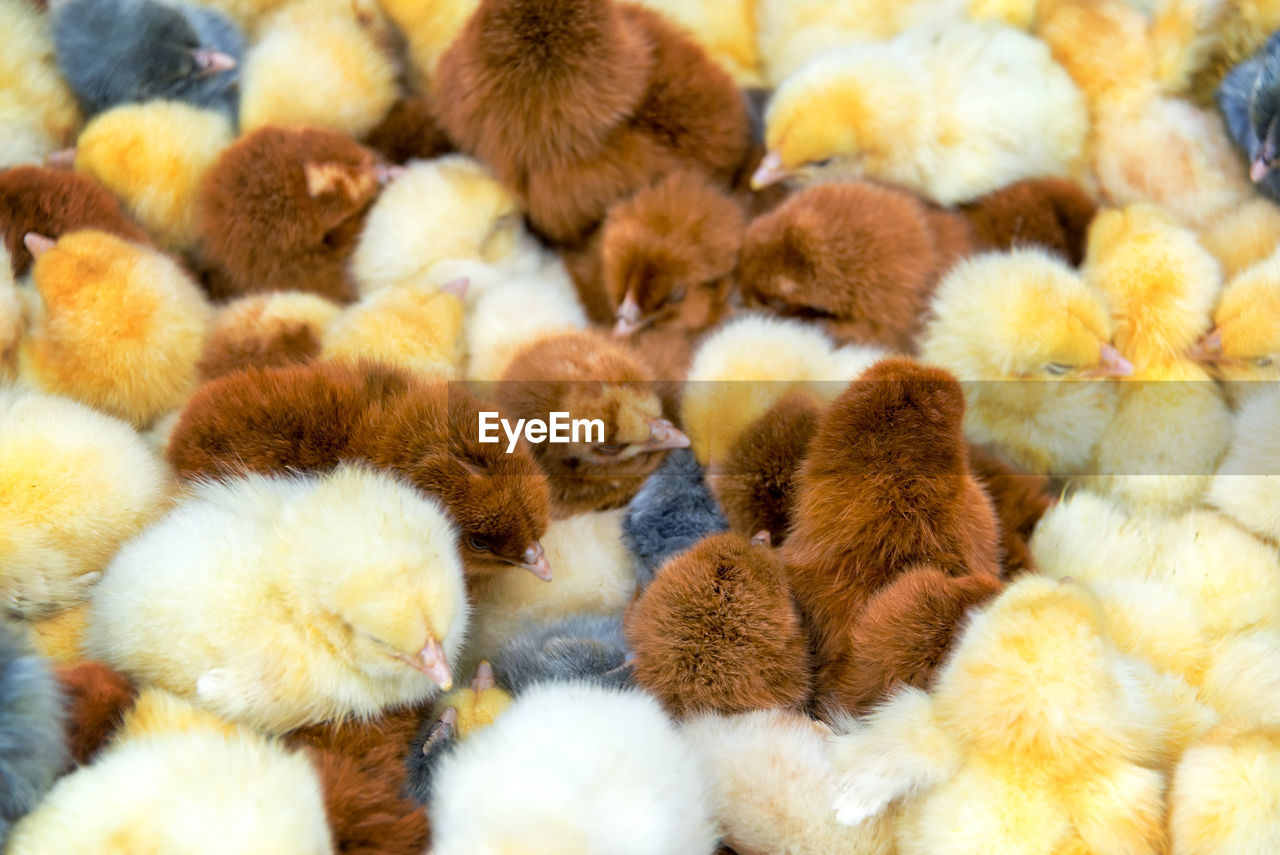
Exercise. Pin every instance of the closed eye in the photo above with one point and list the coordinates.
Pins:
(1058, 368)
(609, 450)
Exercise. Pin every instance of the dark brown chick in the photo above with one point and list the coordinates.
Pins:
(96, 700)
(410, 131)
(1052, 213)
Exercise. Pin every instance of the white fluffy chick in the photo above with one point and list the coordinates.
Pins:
(281, 602)
(573, 769)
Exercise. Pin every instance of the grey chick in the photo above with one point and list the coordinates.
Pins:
(1249, 99)
(576, 648)
(122, 51)
(33, 750)
(672, 511)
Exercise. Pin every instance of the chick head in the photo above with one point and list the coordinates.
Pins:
(1245, 341)
(1020, 315)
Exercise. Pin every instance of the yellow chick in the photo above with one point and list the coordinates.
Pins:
(748, 365)
(477, 706)
(266, 330)
(415, 326)
(991, 759)
(75, 484)
(1031, 344)
(282, 602)
(319, 63)
(1243, 348)
(152, 156)
(250, 15)
(1247, 485)
(441, 210)
(1243, 235)
(725, 29)
(182, 783)
(114, 325)
(951, 112)
(60, 637)
(38, 113)
(429, 27)
(1225, 795)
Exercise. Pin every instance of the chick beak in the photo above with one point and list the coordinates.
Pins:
(457, 287)
(663, 435)
(628, 317)
(431, 661)
(484, 679)
(762, 538)
(1259, 169)
(535, 561)
(769, 172)
(212, 61)
(62, 159)
(37, 244)
(387, 173)
(1207, 349)
(444, 730)
(1112, 364)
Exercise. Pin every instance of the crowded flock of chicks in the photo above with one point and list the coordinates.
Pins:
(937, 504)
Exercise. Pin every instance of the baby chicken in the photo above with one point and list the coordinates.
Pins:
(428, 28)
(594, 755)
(410, 131)
(618, 98)
(1223, 796)
(75, 484)
(580, 647)
(670, 513)
(417, 327)
(1247, 484)
(52, 202)
(893, 538)
(858, 258)
(1026, 317)
(1249, 99)
(591, 377)
(1243, 348)
(1051, 213)
(113, 324)
(717, 630)
(120, 51)
(281, 209)
(266, 331)
(951, 112)
(153, 157)
(319, 63)
(1243, 235)
(354, 572)
(38, 113)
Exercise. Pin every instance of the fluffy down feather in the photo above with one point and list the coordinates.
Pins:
(579, 647)
(1223, 797)
(209, 602)
(97, 699)
(38, 113)
(1247, 484)
(416, 327)
(266, 331)
(1243, 346)
(1243, 235)
(410, 131)
(1051, 213)
(670, 513)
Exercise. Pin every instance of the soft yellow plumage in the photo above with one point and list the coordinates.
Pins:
(726, 30)
(1225, 796)
(1244, 235)
(38, 113)
(1247, 326)
(1247, 485)
(429, 27)
(415, 326)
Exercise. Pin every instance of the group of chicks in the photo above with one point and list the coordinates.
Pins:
(936, 506)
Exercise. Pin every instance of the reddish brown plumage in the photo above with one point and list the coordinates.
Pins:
(410, 131)
(97, 699)
(281, 210)
(1020, 501)
(859, 258)
(1053, 213)
(717, 630)
(580, 103)
(886, 490)
(247, 339)
(53, 202)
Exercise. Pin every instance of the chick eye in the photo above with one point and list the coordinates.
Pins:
(1057, 368)
(609, 450)
(826, 161)
(1262, 361)
(478, 545)
(676, 296)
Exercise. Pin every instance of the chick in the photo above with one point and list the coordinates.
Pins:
(184, 785)
(1051, 213)
(746, 366)
(281, 209)
(51, 203)
(318, 63)
(726, 31)
(266, 331)
(670, 513)
(1243, 235)
(75, 484)
(580, 647)
(32, 751)
(772, 785)
(1249, 99)
(410, 131)
(1222, 797)
(893, 538)
(1020, 500)
(1243, 347)
(595, 378)
(993, 726)
(1026, 317)
(390, 608)
(859, 259)
(38, 113)
(113, 324)
(589, 751)
(428, 28)
(413, 326)
(1247, 484)
(617, 99)
(96, 699)
(717, 630)
(153, 157)
(951, 112)
(121, 51)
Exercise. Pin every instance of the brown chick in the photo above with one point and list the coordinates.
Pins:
(52, 202)
(410, 131)
(311, 417)
(860, 259)
(265, 331)
(717, 631)
(591, 376)
(1052, 213)
(97, 699)
(755, 482)
(281, 210)
(892, 536)
(580, 103)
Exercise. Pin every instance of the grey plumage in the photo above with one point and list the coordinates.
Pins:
(1249, 100)
(578, 647)
(672, 511)
(33, 748)
(115, 52)
(435, 739)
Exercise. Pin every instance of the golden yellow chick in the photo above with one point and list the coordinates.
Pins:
(38, 113)
(415, 326)
(477, 706)
(116, 325)
(951, 112)
(266, 330)
(1243, 235)
(281, 602)
(1243, 347)
(152, 156)
(1225, 795)
(1031, 344)
(75, 484)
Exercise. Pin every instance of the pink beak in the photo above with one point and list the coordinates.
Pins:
(431, 661)
(769, 172)
(37, 244)
(457, 287)
(484, 678)
(386, 174)
(63, 159)
(445, 729)
(535, 561)
(628, 317)
(1259, 169)
(1112, 364)
(762, 538)
(1207, 349)
(212, 61)
(663, 435)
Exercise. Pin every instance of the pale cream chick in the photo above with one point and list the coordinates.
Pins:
(1243, 235)
(75, 484)
(38, 113)
(1247, 485)
(1243, 348)
(281, 602)
(1225, 796)
(416, 326)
